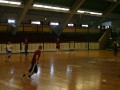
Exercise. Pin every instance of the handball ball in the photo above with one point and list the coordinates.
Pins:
(103, 81)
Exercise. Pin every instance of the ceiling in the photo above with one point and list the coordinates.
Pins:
(91, 5)
(25, 13)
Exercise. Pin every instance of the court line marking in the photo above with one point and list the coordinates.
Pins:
(74, 66)
(11, 85)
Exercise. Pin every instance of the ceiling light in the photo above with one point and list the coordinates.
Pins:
(95, 13)
(16, 3)
(3, 1)
(50, 7)
(88, 12)
(79, 11)
(10, 2)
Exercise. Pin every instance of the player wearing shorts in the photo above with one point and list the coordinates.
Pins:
(8, 51)
(34, 68)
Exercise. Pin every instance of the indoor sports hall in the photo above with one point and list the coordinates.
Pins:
(59, 45)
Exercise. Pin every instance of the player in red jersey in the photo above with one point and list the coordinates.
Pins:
(58, 45)
(33, 69)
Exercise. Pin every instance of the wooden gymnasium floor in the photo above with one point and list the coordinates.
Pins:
(69, 70)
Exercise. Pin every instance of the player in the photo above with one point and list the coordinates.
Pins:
(26, 49)
(33, 69)
(58, 45)
(8, 50)
(116, 45)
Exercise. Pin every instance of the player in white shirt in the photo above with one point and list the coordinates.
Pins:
(8, 50)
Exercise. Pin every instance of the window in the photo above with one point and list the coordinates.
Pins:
(36, 22)
(70, 24)
(84, 25)
(54, 23)
(11, 21)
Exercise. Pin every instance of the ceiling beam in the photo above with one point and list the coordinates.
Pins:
(73, 11)
(114, 1)
(27, 6)
(108, 11)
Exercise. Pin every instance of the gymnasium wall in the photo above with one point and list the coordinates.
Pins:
(37, 33)
(17, 48)
(40, 28)
(71, 38)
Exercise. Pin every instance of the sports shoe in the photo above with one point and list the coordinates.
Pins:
(6, 60)
(29, 76)
(23, 75)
